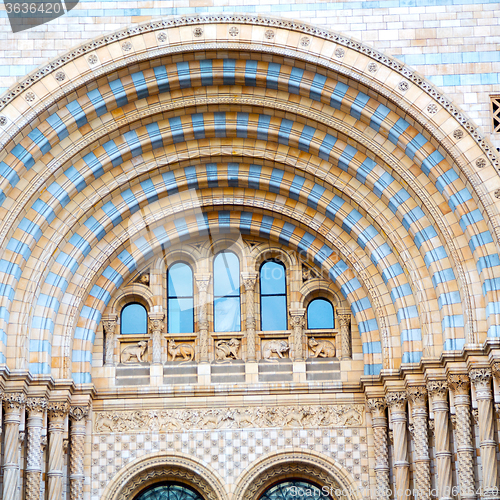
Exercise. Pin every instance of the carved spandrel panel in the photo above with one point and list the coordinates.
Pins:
(230, 418)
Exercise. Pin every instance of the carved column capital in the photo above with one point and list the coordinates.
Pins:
(58, 409)
(79, 413)
(297, 317)
(396, 401)
(495, 370)
(202, 281)
(344, 319)
(437, 389)
(36, 405)
(459, 383)
(14, 400)
(249, 280)
(156, 322)
(417, 395)
(481, 378)
(377, 406)
(109, 323)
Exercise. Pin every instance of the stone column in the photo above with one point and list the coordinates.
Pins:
(249, 280)
(57, 413)
(481, 378)
(156, 327)
(460, 384)
(13, 404)
(298, 320)
(345, 334)
(78, 419)
(377, 408)
(396, 401)
(34, 425)
(418, 398)
(202, 282)
(438, 391)
(109, 326)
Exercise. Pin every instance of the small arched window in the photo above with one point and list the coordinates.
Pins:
(320, 315)
(180, 299)
(273, 312)
(227, 293)
(134, 319)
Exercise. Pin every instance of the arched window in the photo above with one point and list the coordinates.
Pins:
(227, 292)
(169, 491)
(294, 489)
(134, 319)
(320, 315)
(180, 299)
(273, 312)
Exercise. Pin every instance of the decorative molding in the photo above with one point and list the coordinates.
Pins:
(229, 418)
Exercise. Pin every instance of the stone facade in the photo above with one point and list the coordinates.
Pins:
(261, 142)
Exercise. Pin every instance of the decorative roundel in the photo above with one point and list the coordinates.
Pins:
(233, 31)
(126, 46)
(30, 96)
(269, 34)
(497, 193)
(92, 59)
(305, 42)
(458, 133)
(372, 67)
(339, 53)
(197, 32)
(162, 37)
(432, 109)
(60, 76)
(3, 121)
(403, 86)
(481, 163)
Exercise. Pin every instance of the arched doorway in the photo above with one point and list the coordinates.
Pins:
(169, 491)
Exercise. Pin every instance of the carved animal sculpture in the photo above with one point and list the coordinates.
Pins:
(296, 416)
(104, 423)
(274, 346)
(184, 350)
(323, 348)
(241, 418)
(227, 350)
(134, 351)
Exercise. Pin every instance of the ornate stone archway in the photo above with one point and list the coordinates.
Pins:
(161, 467)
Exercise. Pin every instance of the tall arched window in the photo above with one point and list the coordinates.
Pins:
(320, 315)
(134, 319)
(273, 312)
(180, 298)
(227, 292)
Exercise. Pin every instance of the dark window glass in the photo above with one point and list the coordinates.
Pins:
(227, 292)
(134, 320)
(320, 314)
(294, 489)
(273, 313)
(180, 298)
(169, 492)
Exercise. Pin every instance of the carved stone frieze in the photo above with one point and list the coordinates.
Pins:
(229, 418)
(460, 384)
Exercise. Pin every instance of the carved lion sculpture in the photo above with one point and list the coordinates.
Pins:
(323, 348)
(227, 350)
(184, 350)
(134, 351)
(274, 346)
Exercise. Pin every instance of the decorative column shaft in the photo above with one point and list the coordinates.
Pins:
(377, 408)
(57, 413)
(249, 280)
(418, 398)
(481, 378)
(202, 282)
(156, 327)
(34, 425)
(13, 404)
(109, 326)
(298, 321)
(438, 390)
(396, 401)
(78, 418)
(460, 384)
(345, 334)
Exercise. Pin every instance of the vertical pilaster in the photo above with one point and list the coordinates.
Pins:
(35, 408)
(298, 321)
(249, 280)
(481, 378)
(438, 391)
(57, 412)
(344, 319)
(13, 405)
(418, 398)
(460, 384)
(396, 401)
(156, 328)
(202, 282)
(109, 326)
(377, 408)
(78, 419)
